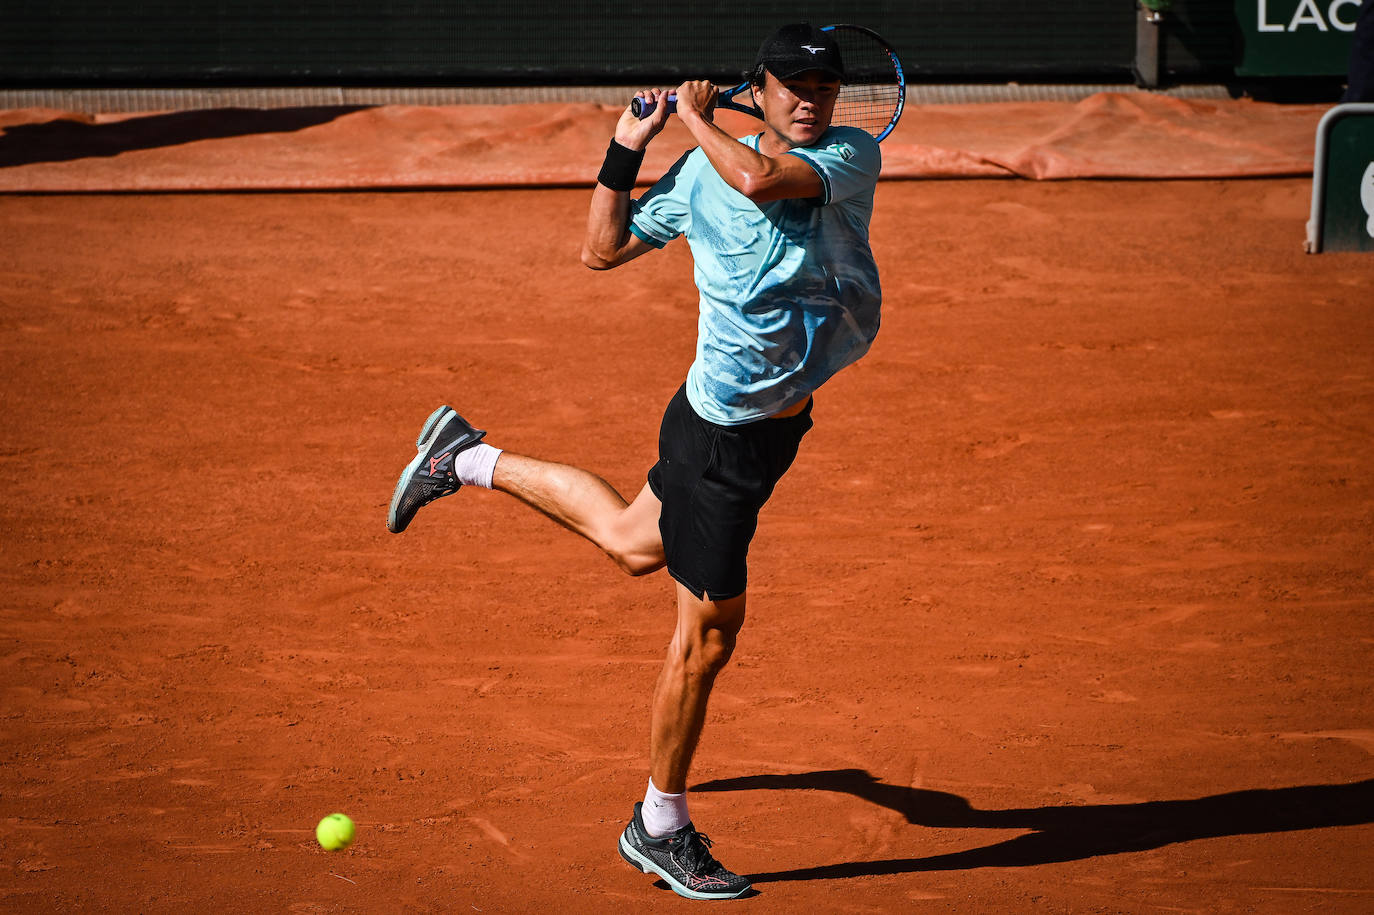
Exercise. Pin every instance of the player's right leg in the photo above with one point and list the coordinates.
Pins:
(450, 454)
(586, 504)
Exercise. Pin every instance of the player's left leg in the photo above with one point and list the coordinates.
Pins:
(702, 643)
(712, 481)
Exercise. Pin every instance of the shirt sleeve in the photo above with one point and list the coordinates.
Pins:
(848, 162)
(664, 212)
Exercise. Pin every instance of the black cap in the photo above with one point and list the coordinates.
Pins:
(797, 48)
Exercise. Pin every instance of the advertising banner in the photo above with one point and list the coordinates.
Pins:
(1295, 37)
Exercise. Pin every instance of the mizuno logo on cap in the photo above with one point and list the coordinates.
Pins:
(812, 49)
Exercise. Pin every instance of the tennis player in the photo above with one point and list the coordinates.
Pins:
(778, 228)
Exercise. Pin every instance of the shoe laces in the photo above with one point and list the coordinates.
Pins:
(696, 854)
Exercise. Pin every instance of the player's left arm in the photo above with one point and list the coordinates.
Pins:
(760, 178)
(609, 241)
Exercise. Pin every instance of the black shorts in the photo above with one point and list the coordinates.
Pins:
(712, 480)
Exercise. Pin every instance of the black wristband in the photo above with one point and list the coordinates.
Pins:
(621, 167)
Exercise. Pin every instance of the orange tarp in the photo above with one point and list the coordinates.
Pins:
(1108, 135)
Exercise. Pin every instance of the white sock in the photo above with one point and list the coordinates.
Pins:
(663, 813)
(474, 466)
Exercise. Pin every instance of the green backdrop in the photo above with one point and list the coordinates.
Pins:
(449, 42)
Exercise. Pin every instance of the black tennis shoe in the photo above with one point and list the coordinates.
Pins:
(683, 859)
(430, 475)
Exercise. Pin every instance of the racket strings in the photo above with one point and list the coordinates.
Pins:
(870, 108)
(873, 93)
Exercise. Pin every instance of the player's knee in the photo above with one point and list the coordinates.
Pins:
(715, 657)
(718, 654)
(711, 650)
(632, 542)
(637, 563)
(633, 552)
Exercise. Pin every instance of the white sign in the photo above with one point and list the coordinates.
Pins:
(1340, 15)
(1367, 197)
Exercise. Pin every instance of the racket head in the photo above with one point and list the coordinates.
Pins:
(873, 93)
(871, 97)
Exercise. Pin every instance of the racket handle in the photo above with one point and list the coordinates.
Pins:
(642, 108)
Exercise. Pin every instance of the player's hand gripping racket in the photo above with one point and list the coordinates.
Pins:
(870, 98)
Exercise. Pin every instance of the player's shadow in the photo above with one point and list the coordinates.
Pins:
(63, 139)
(1065, 833)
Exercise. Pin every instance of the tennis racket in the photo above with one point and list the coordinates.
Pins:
(871, 97)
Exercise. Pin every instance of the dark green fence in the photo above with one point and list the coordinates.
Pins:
(429, 42)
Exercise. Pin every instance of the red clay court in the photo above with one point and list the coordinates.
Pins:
(1065, 607)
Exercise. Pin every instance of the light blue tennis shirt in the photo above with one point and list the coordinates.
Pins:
(789, 289)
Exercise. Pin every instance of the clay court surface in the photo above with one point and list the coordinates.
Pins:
(1065, 607)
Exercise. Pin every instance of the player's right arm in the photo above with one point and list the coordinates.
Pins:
(609, 241)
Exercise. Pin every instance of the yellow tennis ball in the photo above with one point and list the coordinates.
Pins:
(335, 832)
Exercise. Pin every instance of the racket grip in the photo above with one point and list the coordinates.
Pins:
(642, 108)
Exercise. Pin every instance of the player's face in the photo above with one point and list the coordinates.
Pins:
(797, 110)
